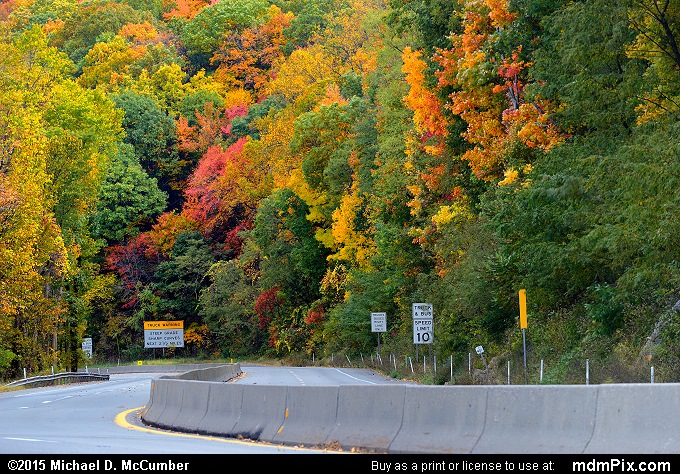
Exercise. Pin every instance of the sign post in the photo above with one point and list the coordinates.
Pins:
(523, 325)
(378, 324)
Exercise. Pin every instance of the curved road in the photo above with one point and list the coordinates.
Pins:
(103, 417)
(319, 376)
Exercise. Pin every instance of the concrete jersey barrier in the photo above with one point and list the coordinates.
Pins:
(151, 368)
(407, 419)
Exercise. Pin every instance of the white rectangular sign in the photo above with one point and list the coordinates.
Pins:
(378, 322)
(422, 311)
(87, 347)
(164, 338)
(423, 331)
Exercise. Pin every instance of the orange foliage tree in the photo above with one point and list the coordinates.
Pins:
(186, 9)
(246, 59)
(489, 90)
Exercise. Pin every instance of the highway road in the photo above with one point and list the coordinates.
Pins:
(317, 376)
(103, 417)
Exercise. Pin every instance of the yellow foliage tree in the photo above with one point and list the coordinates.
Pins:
(353, 245)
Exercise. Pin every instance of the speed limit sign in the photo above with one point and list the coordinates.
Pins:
(423, 331)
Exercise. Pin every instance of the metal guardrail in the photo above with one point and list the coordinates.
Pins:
(58, 379)
(93, 374)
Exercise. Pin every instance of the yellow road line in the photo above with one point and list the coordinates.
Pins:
(122, 421)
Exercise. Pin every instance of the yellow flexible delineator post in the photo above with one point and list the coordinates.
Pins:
(523, 325)
(523, 308)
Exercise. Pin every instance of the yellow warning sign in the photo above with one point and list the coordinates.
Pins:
(163, 325)
(523, 308)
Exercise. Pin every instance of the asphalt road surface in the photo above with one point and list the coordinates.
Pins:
(103, 417)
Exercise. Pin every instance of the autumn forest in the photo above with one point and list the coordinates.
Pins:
(270, 172)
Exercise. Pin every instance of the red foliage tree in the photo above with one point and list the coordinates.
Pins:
(266, 304)
(203, 200)
(134, 263)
